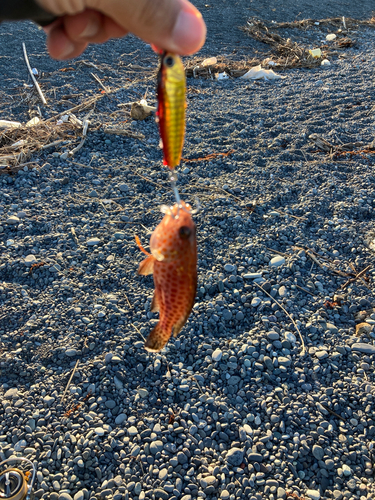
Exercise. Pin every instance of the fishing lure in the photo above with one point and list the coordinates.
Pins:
(171, 91)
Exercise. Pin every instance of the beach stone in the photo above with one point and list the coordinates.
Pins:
(217, 355)
(284, 361)
(30, 260)
(252, 276)
(132, 431)
(268, 362)
(11, 393)
(156, 446)
(227, 315)
(12, 220)
(364, 348)
(71, 352)
(277, 261)
(65, 496)
(255, 302)
(93, 194)
(313, 494)
(318, 452)
(93, 241)
(235, 456)
(161, 493)
(281, 493)
(229, 268)
(346, 470)
(208, 481)
(225, 495)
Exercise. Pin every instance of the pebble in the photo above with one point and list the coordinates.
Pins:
(13, 219)
(252, 276)
(217, 355)
(65, 496)
(277, 261)
(30, 260)
(156, 447)
(256, 301)
(346, 470)
(313, 494)
(235, 456)
(318, 452)
(229, 268)
(93, 241)
(364, 348)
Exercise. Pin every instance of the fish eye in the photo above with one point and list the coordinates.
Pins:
(169, 61)
(184, 232)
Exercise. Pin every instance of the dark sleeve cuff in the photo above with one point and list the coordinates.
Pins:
(16, 10)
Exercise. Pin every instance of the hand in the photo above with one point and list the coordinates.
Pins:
(174, 25)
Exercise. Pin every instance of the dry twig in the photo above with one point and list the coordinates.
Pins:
(69, 381)
(289, 316)
(32, 75)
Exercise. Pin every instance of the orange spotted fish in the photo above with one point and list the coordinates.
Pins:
(173, 261)
(171, 107)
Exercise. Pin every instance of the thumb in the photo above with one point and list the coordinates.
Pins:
(174, 25)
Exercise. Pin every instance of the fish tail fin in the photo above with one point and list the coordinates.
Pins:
(157, 339)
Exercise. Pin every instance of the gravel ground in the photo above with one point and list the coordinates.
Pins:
(230, 409)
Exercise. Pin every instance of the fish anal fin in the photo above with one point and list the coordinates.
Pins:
(157, 339)
(177, 327)
(155, 305)
(146, 267)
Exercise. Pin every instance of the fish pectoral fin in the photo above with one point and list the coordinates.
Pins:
(157, 339)
(146, 267)
(155, 305)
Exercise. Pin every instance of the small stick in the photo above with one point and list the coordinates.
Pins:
(289, 215)
(148, 180)
(32, 75)
(128, 301)
(333, 412)
(100, 82)
(276, 251)
(138, 331)
(356, 277)
(69, 381)
(54, 143)
(196, 381)
(289, 316)
(305, 289)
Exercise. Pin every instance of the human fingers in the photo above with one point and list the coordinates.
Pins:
(91, 26)
(59, 44)
(174, 25)
(68, 37)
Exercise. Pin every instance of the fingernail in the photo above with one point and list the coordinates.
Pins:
(91, 30)
(189, 32)
(68, 49)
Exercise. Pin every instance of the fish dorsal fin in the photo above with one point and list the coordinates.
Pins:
(146, 267)
(155, 305)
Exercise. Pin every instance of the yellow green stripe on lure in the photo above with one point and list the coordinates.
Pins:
(171, 107)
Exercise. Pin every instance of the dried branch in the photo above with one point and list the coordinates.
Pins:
(32, 76)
